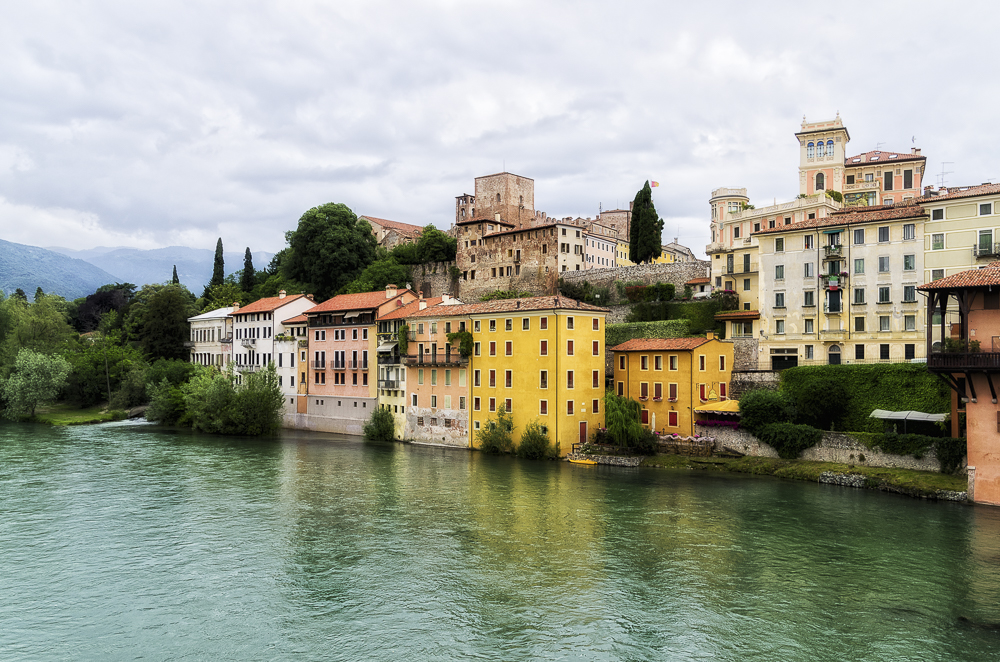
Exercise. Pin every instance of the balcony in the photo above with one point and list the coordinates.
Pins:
(388, 383)
(357, 365)
(247, 368)
(283, 338)
(451, 358)
(317, 365)
(338, 365)
(249, 342)
(304, 343)
(833, 252)
(992, 250)
(228, 340)
(385, 358)
(833, 282)
(833, 334)
(961, 362)
(189, 343)
(836, 309)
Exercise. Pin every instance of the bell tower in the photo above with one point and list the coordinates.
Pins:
(822, 150)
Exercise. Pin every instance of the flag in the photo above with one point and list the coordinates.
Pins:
(654, 184)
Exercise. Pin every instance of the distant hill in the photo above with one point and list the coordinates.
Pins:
(30, 267)
(134, 265)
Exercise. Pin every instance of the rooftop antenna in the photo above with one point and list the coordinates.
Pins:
(878, 147)
(944, 172)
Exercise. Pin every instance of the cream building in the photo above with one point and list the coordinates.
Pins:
(211, 340)
(842, 289)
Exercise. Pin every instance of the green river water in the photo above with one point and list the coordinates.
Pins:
(126, 541)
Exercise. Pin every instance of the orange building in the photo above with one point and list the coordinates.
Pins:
(970, 366)
(672, 376)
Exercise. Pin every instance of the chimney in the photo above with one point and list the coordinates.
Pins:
(423, 302)
(445, 298)
(390, 291)
(236, 306)
(710, 335)
(915, 151)
(281, 294)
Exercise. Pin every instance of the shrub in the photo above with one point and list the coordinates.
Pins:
(166, 403)
(647, 443)
(762, 407)
(621, 417)
(380, 427)
(616, 334)
(789, 439)
(820, 400)
(496, 435)
(464, 341)
(454, 272)
(132, 391)
(535, 444)
(403, 336)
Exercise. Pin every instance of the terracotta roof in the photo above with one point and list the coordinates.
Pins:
(955, 192)
(738, 315)
(665, 344)
(410, 308)
(983, 277)
(268, 304)
(298, 319)
(510, 306)
(853, 217)
(360, 301)
(403, 228)
(880, 157)
(698, 281)
(483, 220)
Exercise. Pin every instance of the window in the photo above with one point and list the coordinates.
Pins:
(779, 299)
(746, 284)
(909, 293)
(596, 406)
(569, 348)
(701, 362)
(986, 241)
(883, 264)
(508, 377)
(809, 328)
(909, 351)
(859, 296)
(509, 348)
(937, 274)
(809, 298)
(508, 325)
(672, 392)
(475, 405)
(883, 323)
(937, 241)
(476, 349)
(543, 407)
(597, 379)
(779, 245)
(644, 363)
(883, 352)
(569, 379)
(673, 362)
(434, 401)
(420, 376)
(807, 242)
(543, 323)
(543, 348)
(493, 378)
(937, 214)
(909, 323)
(779, 326)
(779, 272)
(475, 378)
(597, 324)
(909, 262)
(810, 150)
(525, 324)
(859, 352)
(820, 179)
(543, 379)
(569, 407)
(909, 231)
(597, 348)
(413, 400)
(859, 324)
(434, 377)
(493, 404)
(657, 362)
(493, 348)
(859, 265)
(476, 326)
(569, 323)
(883, 294)
(810, 270)
(621, 388)
(621, 362)
(493, 325)
(722, 362)
(850, 179)
(736, 232)
(887, 185)
(809, 351)
(986, 209)
(883, 234)
(859, 236)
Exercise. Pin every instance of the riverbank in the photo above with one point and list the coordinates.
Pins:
(64, 413)
(919, 484)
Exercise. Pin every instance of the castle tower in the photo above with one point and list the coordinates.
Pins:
(505, 197)
(822, 150)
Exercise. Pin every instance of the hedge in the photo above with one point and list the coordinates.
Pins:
(616, 334)
(700, 314)
(891, 386)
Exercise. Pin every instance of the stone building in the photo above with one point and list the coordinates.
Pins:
(390, 233)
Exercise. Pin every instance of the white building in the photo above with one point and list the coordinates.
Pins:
(255, 327)
(211, 340)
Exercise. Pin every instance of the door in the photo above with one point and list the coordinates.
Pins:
(583, 432)
(834, 355)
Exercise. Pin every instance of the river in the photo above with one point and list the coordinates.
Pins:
(127, 541)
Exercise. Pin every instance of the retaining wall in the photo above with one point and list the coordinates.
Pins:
(677, 273)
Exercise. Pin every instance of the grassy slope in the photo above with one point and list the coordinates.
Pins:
(64, 413)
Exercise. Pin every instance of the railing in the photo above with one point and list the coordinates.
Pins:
(453, 358)
(357, 365)
(247, 368)
(189, 343)
(339, 365)
(249, 342)
(833, 251)
(283, 338)
(986, 251)
(388, 383)
(829, 280)
(741, 269)
(304, 343)
(227, 340)
(964, 361)
(861, 186)
(832, 310)
(385, 358)
(317, 365)
(798, 203)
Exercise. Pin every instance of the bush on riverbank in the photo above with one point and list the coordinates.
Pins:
(380, 426)
(762, 407)
(496, 435)
(535, 444)
(789, 439)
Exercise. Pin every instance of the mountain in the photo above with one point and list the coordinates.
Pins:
(138, 266)
(30, 267)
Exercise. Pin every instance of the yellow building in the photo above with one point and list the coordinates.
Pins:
(671, 376)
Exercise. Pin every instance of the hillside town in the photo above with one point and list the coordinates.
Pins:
(860, 268)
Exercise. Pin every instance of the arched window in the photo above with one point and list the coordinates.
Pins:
(498, 198)
(810, 150)
(820, 180)
(522, 201)
(819, 150)
(829, 148)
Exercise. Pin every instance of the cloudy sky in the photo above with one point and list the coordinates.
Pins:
(150, 124)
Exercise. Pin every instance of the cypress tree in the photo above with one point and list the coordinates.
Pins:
(248, 280)
(646, 230)
(219, 270)
(39, 294)
(175, 280)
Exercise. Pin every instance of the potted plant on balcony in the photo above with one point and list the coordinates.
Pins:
(464, 341)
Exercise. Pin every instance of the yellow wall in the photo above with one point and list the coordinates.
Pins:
(525, 365)
(688, 381)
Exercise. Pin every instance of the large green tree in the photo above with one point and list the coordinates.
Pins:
(646, 230)
(41, 327)
(248, 277)
(436, 246)
(37, 379)
(329, 249)
(157, 320)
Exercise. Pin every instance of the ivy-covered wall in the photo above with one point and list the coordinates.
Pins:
(616, 334)
(891, 386)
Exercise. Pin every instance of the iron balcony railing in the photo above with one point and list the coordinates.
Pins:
(990, 250)
(960, 361)
(247, 368)
(388, 383)
(249, 342)
(388, 359)
(317, 365)
(833, 251)
(450, 358)
(357, 365)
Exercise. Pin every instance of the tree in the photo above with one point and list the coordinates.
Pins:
(106, 299)
(41, 327)
(378, 274)
(162, 326)
(219, 268)
(496, 435)
(436, 246)
(175, 280)
(329, 249)
(19, 294)
(646, 231)
(223, 295)
(247, 280)
(36, 379)
(39, 294)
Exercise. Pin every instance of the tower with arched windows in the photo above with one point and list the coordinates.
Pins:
(822, 148)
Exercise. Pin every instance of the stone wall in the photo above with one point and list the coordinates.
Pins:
(745, 352)
(434, 279)
(677, 273)
(834, 447)
(747, 380)
(427, 426)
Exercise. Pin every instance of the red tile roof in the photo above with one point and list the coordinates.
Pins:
(853, 216)
(360, 301)
(268, 304)
(955, 192)
(880, 157)
(738, 315)
(988, 276)
(664, 344)
(471, 221)
(698, 281)
(510, 306)
(403, 228)
(298, 319)
(403, 312)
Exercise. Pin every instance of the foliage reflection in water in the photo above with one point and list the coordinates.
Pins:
(124, 540)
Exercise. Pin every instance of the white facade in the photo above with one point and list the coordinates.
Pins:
(211, 341)
(255, 326)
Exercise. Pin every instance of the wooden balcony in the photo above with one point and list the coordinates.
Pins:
(963, 362)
